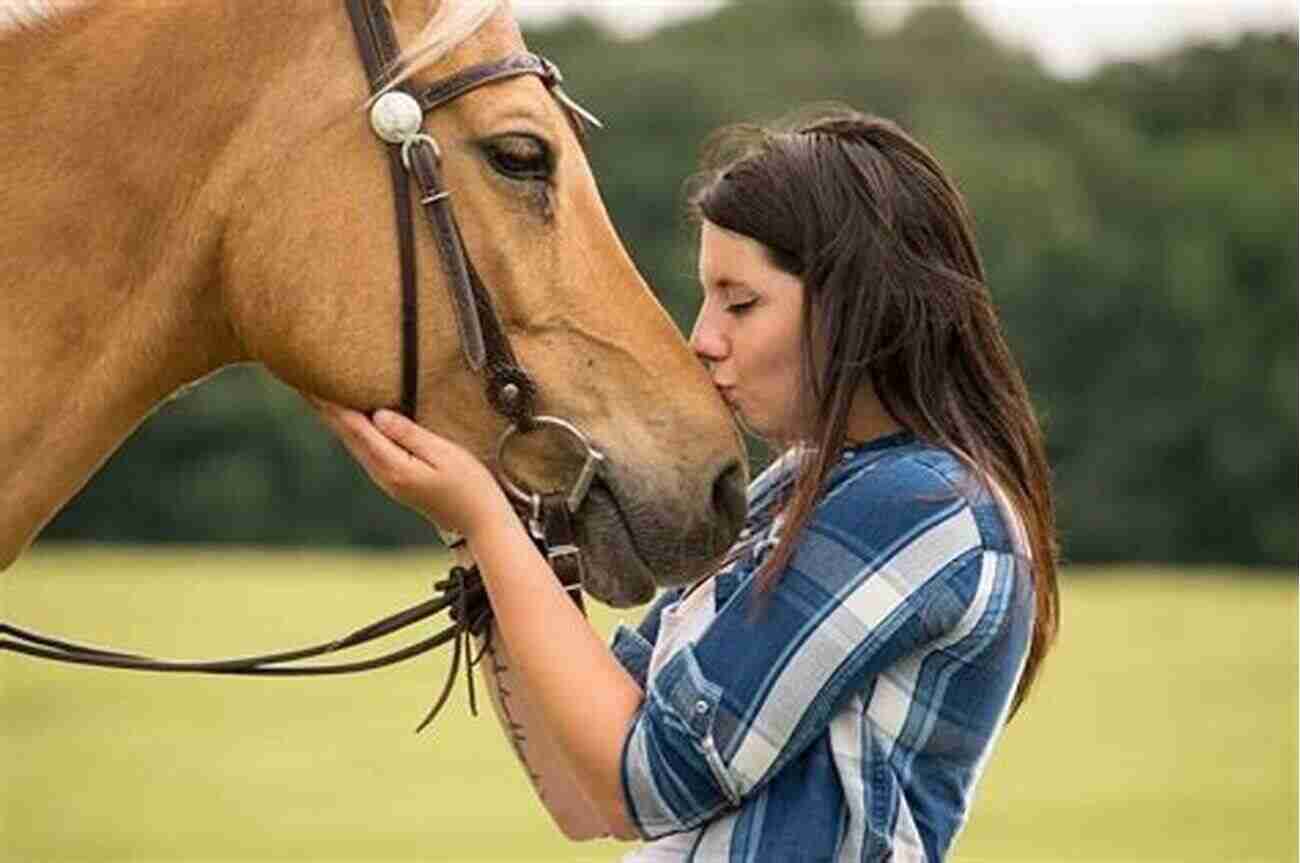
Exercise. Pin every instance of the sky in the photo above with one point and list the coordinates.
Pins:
(1070, 38)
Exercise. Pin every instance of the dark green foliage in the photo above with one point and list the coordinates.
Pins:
(239, 459)
(1139, 229)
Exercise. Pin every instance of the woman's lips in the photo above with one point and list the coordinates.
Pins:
(729, 397)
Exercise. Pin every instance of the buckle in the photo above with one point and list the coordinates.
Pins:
(550, 72)
(561, 551)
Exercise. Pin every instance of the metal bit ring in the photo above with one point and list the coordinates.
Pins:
(593, 460)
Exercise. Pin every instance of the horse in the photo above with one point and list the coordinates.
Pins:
(193, 185)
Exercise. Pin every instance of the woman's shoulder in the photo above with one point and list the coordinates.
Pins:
(893, 471)
(908, 485)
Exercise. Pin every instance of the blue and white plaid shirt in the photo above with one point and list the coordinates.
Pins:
(849, 716)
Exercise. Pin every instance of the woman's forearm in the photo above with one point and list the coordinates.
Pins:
(543, 760)
(581, 695)
(585, 700)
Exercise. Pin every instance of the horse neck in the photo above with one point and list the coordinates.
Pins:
(114, 123)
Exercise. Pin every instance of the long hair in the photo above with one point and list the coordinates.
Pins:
(894, 297)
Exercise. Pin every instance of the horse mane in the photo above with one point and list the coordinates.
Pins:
(452, 23)
(30, 15)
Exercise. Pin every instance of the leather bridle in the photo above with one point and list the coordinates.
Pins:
(397, 118)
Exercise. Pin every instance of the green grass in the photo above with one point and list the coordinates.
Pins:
(1164, 728)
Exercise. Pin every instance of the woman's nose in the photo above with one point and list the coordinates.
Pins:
(706, 340)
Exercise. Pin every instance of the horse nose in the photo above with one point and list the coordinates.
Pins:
(729, 500)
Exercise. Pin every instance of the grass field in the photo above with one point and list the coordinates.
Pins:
(1165, 727)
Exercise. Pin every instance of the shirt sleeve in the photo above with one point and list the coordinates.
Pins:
(874, 577)
(633, 647)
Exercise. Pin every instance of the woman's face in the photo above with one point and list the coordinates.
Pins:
(748, 332)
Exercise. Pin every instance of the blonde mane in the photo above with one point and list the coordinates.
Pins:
(453, 23)
(32, 14)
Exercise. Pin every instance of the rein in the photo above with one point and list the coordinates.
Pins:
(397, 118)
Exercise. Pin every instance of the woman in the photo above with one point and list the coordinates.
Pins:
(833, 690)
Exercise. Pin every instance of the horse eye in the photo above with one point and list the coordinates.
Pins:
(519, 157)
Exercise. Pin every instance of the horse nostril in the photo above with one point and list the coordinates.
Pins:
(729, 498)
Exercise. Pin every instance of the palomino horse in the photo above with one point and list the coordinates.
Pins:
(195, 184)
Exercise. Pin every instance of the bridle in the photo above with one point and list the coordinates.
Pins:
(397, 118)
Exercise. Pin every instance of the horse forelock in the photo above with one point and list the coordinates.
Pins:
(452, 23)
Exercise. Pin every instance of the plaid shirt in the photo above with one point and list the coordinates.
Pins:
(849, 714)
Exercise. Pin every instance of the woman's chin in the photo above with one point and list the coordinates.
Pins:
(753, 428)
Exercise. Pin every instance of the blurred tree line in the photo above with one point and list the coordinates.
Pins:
(1138, 227)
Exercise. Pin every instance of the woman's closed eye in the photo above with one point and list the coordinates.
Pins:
(739, 308)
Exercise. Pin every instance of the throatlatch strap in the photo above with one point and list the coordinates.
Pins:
(410, 283)
(377, 45)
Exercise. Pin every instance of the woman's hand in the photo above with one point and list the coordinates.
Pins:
(419, 469)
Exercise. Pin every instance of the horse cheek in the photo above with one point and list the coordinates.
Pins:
(305, 298)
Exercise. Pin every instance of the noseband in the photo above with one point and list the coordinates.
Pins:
(397, 118)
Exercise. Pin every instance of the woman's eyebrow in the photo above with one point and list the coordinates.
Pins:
(726, 283)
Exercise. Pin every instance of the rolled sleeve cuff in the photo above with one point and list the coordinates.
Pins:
(673, 776)
(633, 652)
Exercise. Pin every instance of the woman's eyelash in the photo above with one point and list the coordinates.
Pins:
(737, 308)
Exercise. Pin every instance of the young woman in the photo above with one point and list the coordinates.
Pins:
(833, 690)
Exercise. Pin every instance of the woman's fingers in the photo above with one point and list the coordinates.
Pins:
(417, 467)
(388, 464)
(412, 437)
(388, 440)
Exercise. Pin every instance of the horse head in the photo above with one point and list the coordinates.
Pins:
(311, 284)
(198, 184)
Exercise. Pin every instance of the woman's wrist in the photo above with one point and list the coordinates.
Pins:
(494, 525)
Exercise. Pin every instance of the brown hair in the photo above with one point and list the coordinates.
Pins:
(894, 297)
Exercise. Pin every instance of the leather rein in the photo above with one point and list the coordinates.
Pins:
(397, 118)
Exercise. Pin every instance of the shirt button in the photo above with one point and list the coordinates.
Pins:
(701, 706)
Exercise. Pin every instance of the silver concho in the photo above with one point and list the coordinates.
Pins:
(396, 116)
